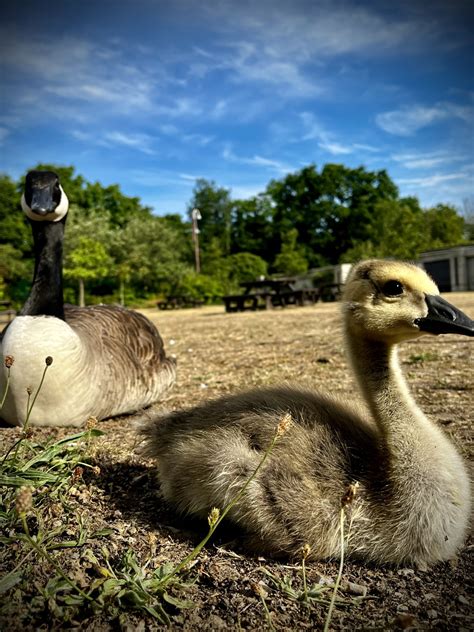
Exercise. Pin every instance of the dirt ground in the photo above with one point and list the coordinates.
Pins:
(221, 353)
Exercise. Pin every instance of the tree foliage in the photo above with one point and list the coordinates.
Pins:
(122, 251)
(291, 259)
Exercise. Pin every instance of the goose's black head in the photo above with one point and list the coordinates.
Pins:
(44, 198)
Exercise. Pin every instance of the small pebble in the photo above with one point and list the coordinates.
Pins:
(405, 621)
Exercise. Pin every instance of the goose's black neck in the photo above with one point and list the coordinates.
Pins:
(46, 294)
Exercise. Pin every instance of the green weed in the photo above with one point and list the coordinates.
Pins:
(37, 476)
(419, 358)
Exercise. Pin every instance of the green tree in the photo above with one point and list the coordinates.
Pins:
(468, 215)
(215, 206)
(331, 211)
(14, 228)
(444, 225)
(290, 260)
(148, 252)
(245, 266)
(88, 261)
(252, 226)
(396, 230)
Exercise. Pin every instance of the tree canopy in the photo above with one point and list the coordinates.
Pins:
(118, 250)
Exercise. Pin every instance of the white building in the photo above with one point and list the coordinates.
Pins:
(451, 268)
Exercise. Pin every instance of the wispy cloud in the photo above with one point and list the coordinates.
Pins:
(77, 69)
(426, 160)
(336, 149)
(303, 30)
(140, 142)
(189, 177)
(327, 141)
(433, 180)
(258, 161)
(249, 64)
(407, 120)
(136, 141)
(161, 178)
(198, 139)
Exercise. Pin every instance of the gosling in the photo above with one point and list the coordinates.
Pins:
(413, 495)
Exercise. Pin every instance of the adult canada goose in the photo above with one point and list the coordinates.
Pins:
(107, 360)
(413, 498)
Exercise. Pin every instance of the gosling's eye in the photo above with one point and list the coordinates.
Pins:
(392, 288)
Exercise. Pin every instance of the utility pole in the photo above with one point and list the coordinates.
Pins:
(196, 215)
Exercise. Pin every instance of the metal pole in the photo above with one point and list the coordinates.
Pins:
(196, 215)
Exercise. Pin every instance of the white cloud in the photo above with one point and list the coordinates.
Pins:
(324, 29)
(428, 160)
(198, 139)
(140, 142)
(162, 178)
(250, 64)
(258, 161)
(336, 149)
(407, 120)
(364, 147)
(326, 140)
(189, 178)
(432, 180)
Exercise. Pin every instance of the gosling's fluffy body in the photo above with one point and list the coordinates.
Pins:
(413, 499)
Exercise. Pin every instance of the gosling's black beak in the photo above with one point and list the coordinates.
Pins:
(444, 318)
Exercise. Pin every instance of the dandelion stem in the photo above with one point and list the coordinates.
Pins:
(268, 616)
(327, 623)
(7, 385)
(30, 408)
(305, 586)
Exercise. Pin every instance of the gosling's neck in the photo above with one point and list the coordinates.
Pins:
(386, 392)
(46, 294)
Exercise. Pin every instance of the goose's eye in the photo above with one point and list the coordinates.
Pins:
(392, 288)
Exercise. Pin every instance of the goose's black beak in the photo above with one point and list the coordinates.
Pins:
(42, 201)
(444, 318)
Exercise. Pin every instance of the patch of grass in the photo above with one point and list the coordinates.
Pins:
(320, 593)
(37, 477)
(420, 358)
(37, 484)
(40, 521)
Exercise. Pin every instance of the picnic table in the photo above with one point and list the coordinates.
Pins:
(270, 293)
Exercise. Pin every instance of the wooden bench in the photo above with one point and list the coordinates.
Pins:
(269, 300)
(297, 297)
(244, 302)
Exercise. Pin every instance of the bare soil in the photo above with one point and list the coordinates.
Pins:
(221, 353)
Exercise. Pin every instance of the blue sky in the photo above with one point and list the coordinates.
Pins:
(152, 94)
